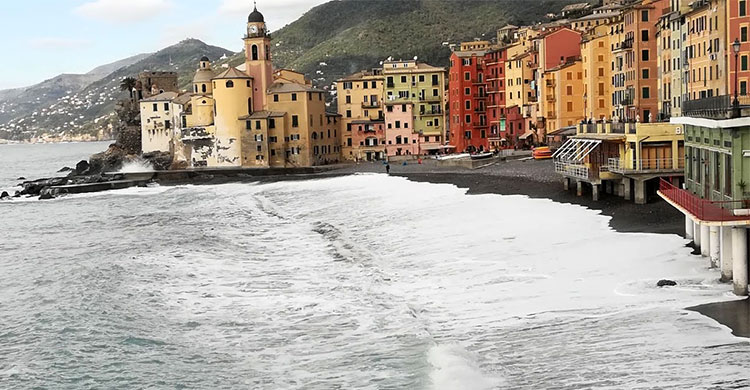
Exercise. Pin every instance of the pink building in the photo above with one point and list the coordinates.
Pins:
(370, 136)
(399, 130)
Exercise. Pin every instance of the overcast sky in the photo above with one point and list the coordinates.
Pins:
(43, 38)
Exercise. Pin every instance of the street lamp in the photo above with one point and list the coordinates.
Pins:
(736, 102)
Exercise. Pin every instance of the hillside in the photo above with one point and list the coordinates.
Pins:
(89, 108)
(330, 41)
(360, 34)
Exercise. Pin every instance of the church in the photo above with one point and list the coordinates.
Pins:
(253, 117)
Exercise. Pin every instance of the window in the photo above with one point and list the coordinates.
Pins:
(743, 88)
(570, 106)
(272, 124)
(645, 93)
(276, 97)
(467, 76)
(259, 138)
(248, 125)
(467, 104)
(295, 121)
(365, 84)
(743, 8)
(348, 113)
(468, 118)
(644, 74)
(254, 52)
(348, 100)
(728, 175)
(166, 106)
(374, 85)
(644, 35)
(435, 79)
(156, 107)
(203, 88)
(347, 85)
(168, 124)
(743, 34)
(403, 79)
(294, 97)
(744, 62)
(230, 84)
(421, 78)
(257, 126)
(644, 15)
(569, 90)
(644, 55)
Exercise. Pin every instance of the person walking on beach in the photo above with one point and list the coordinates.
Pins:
(387, 169)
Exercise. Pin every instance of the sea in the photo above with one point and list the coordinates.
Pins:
(365, 281)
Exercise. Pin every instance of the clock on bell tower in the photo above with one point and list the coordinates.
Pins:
(258, 58)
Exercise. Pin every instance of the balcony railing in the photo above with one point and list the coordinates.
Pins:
(571, 169)
(618, 128)
(429, 98)
(713, 107)
(646, 165)
(370, 104)
(703, 209)
(431, 112)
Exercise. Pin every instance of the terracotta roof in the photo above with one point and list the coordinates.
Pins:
(263, 115)
(469, 53)
(360, 76)
(291, 87)
(232, 73)
(165, 96)
(183, 98)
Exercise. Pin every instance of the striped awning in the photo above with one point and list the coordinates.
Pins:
(576, 149)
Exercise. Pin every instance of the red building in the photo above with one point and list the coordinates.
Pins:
(739, 29)
(494, 61)
(468, 99)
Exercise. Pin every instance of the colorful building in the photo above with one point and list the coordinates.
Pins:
(360, 102)
(256, 117)
(596, 62)
(423, 86)
(705, 50)
(738, 29)
(469, 98)
(399, 131)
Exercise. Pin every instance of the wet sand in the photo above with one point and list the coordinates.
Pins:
(733, 314)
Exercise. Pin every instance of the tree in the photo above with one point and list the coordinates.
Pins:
(128, 84)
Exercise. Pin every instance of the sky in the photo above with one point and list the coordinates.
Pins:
(44, 38)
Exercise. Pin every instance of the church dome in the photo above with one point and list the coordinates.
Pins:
(255, 17)
(204, 59)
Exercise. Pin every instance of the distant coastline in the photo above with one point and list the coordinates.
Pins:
(42, 142)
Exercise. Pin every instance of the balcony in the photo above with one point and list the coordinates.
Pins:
(617, 165)
(550, 83)
(702, 209)
(550, 98)
(569, 169)
(431, 112)
(716, 107)
(430, 98)
(371, 105)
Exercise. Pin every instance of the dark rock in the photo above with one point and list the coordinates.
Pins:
(65, 169)
(110, 160)
(82, 168)
(48, 193)
(4, 195)
(665, 282)
(21, 178)
(34, 188)
(161, 161)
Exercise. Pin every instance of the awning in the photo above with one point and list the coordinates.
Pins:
(527, 134)
(448, 147)
(576, 149)
(431, 147)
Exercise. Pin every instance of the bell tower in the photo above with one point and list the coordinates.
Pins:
(258, 58)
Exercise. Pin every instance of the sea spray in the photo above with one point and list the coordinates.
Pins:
(456, 368)
(136, 166)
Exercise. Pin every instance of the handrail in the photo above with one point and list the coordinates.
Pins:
(704, 209)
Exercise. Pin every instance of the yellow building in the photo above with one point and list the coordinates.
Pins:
(561, 101)
(423, 86)
(360, 99)
(706, 49)
(157, 122)
(596, 61)
(257, 117)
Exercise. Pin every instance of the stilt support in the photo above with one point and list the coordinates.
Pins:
(705, 240)
(714, 246)
(739, 260)
(726, 254)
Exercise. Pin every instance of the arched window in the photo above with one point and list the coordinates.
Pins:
(230, 84)
(268, 52)
(255, 53)
(195, 87)
(203, 88)
(249, 106)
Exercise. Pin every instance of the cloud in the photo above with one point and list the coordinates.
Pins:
(277, 12)
(123, 11)
(59, 43)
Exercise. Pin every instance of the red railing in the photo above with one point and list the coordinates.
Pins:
(703, 209)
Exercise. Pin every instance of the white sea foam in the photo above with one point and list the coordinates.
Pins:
(136, 166)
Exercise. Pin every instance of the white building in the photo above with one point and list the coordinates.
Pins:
(161, 121)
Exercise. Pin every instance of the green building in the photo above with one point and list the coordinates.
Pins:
(422, 86)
